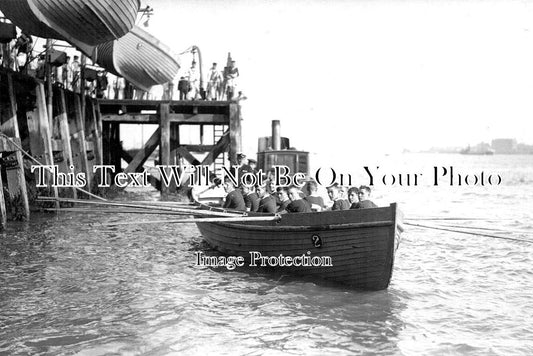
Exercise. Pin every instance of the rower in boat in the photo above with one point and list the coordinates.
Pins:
(251, 199)
(338, 202)
(267, 204)
(283, 195)
(234, 199)
(315, 200)
(297, 204)
(353, 197)
(364, 199)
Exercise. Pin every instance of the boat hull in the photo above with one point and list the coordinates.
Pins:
(88, 21)
(140, 58)
(360, 244)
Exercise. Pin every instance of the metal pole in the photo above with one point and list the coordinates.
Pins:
(195, 48)
(48, 71)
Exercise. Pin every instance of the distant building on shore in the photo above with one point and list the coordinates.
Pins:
(504, 145)
(497, 146)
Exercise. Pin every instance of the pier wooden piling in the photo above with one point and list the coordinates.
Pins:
(40, 125)
(63, 157)
(49, 125)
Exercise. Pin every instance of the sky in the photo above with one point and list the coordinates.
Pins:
(367, 75)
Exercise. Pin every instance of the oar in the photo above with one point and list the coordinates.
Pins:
(114, 211)
(164, 203)
(276, 217)
(141, 206)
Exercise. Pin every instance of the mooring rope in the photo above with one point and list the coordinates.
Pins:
(456, 219)
(468, 232)
(486, 229)
(39, 163)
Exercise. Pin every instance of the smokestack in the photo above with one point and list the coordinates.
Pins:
(276, 135)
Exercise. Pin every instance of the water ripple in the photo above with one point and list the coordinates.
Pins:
(68, 288)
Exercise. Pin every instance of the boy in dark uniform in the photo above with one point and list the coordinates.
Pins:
(283, 195)
(338, 202)
(271, 189)
(267, 204)
(251, 199)
(353, 197)
(252, 163)
(183, 87)
(315, 200)
(364, 199)
(234, 199)
(297, 204)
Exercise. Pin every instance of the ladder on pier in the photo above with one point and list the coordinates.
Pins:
(220, 161)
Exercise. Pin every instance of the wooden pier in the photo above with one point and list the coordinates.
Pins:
(49, 125)
(220, 118)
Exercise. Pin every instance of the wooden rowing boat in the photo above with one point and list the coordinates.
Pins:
(88, 21)
(361, 243)
(139, 57)
(104, 30)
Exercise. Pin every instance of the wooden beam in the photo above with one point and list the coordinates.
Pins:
(164, 147)
(140, 158)
(96, 135)
(220, 147)
(144, 153)
(64, 129)
(9, 145)
(196, 148)
(61, 121)
(218, 119)
(106, 142)
(116, 146)
(3, 212)
(235, 133)
(78, 143)
(126, 156)
(99, 128)
(39, 131)
(187, 155)
(146, 104)
(174, 143)
(198, 119)
(131, 118)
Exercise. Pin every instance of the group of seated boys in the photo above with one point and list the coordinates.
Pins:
(268, 198)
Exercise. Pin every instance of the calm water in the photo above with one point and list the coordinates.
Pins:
(68, 288)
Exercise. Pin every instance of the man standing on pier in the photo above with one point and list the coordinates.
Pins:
(194, 81)
(183, 88)
(230, 79)
(214, 81)
(75, 70)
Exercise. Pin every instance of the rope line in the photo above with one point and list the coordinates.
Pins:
(468, 232)
(486, 229)
(39, 163)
